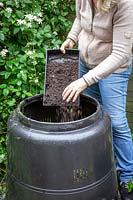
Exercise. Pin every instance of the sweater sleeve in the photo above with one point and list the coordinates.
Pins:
(76, 28)
(121, 47)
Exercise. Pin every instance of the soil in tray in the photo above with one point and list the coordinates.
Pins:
(58, 76)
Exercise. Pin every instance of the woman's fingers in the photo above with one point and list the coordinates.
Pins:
(72, 91)
(67, 44)
(70, 96)
(68, 90)
(64, 92)
(63, 48)
(76, 96)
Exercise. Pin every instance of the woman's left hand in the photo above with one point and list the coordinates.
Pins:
(72, 91)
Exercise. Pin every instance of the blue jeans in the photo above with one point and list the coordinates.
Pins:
(111, 93)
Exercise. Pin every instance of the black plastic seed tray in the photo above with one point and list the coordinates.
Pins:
(60, 70)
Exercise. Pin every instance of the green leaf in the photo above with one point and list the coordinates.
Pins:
(19, 76)
(7, 14)
(7, 74)
(23, 58)
(5, 92)
(11, 102)
(28, 94)
(39, 55)
(11, 88)
(2, 37)
(19, 14)
(130, 185)
(47, 35)
(13, 81)
(47, 29)
(16, 63)
(61, 18)
(24, 77)
(5, 30)
(16, 30)
(2, 62)
(27, 1)
(2, 73)
(4, 115)
(23, 95)
(22, 28)
(8, 65)
(18, 93)
(9, 2)
(2, 86)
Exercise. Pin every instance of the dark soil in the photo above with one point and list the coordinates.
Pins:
(59, 75)
(68, 114)
(60, 71)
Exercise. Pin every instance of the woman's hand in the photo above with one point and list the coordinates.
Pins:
(67, 44)
(72, 91)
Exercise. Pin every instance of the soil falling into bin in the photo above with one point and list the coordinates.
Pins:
(34, 109)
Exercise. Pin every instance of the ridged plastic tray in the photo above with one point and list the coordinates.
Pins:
(60, 70)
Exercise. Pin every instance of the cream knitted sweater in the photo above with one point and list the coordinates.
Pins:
(104, 39)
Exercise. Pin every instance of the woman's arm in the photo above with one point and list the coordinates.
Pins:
(72, 37)
(122, 43)
(121, 52)
(76, 28)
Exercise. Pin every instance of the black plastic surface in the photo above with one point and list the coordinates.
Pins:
(60, 161)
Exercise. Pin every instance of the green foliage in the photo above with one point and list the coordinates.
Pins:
(2, 152)
(2, 165)
(27, 29)
(130, 185)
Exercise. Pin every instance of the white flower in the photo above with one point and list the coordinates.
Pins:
(34, 63)
(1, 4)
(35, 18)
(29, 25)
(36, 80)
(21, 22)
(29, 52)
(16, 1)
(9, 10)
(55, 33)
(3, 52)
(39, 20)
(1, 158)
(39, 14)
(29, 17)
(1, 24)
(28, 44)
(53, 3)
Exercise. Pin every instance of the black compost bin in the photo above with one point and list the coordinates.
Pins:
(60, 160)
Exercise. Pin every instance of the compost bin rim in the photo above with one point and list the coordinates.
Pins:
(60, 126)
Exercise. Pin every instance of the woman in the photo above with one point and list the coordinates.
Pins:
(103, 31)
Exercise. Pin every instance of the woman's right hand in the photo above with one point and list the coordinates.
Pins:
(67, 44)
